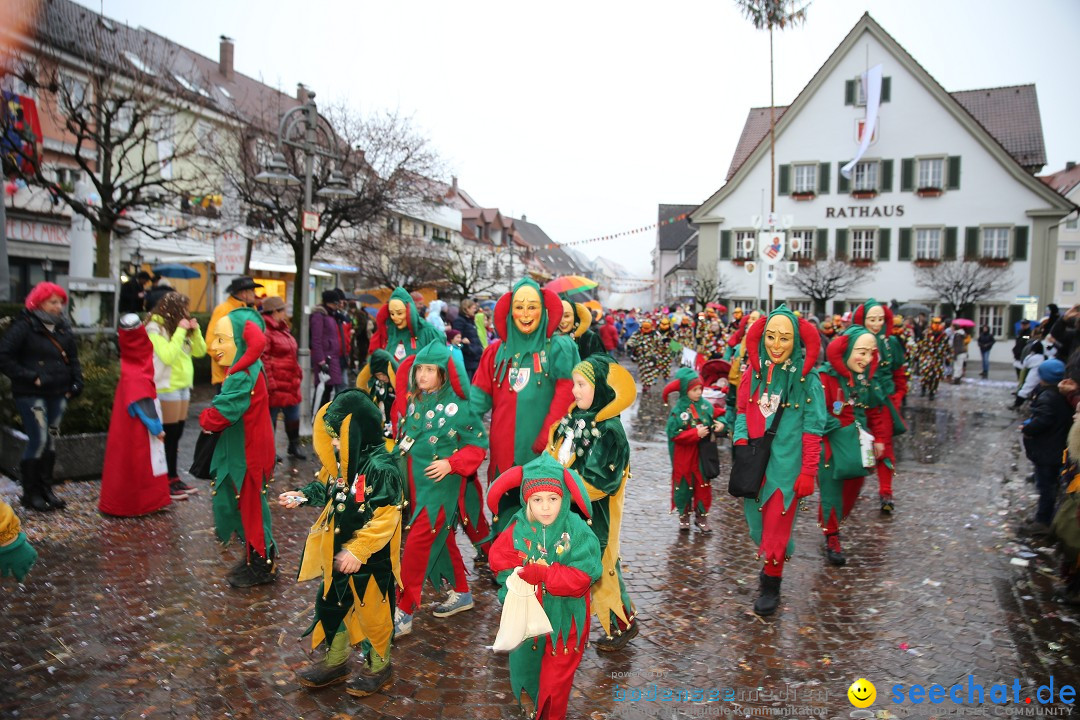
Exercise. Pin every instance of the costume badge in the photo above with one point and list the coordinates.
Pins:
(769, 404)
(563, 545)
(433, 439)
(442, 421)
(412, 408)
(519, 380)
(399, 354)
(837, 407)
(451, 409)
(406, 444)
(429, 414)
(359, 487)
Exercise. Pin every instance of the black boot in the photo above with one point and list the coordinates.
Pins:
(45, 469)
(769, 597)
(31, 484)
(367, 683)
(834, 553)
(292, 431)
(258, 570)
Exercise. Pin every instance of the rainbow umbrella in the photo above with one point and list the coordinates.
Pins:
(570, 285)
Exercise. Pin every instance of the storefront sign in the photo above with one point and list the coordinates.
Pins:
(30, 231)
(230, 251)
(864, 211)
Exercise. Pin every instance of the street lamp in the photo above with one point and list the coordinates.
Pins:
(301, 130)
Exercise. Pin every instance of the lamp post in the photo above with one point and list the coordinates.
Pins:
(300, 129)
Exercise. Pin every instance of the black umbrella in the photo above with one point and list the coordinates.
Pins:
(911, 308)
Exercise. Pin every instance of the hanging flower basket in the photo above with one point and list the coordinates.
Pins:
(861, 262)
(739, 261)
(807, 195)
(929, 192)
(864, 194)
(994, 262)
(927, 262)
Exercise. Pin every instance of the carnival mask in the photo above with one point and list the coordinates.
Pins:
(526, 309)
(779, 339)
(399, 314)
(223, 346)
(862, 353)
(874, 319)
(567, 323)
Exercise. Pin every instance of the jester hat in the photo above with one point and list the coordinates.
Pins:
(614, 386)
(439, 354)
(380, 361)
(859, 316)
(356, 421)
(582, 319)
(544, 472)
(552, 311)
(685, 380)
(839, 350)
(807, 340)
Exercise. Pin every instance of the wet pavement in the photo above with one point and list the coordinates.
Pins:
(126, 618)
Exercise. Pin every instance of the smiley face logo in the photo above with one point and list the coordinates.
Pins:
(862, 693)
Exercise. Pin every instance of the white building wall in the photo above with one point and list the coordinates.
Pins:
(1067, 276)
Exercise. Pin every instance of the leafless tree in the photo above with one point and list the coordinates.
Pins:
(709, 286)
(962, 283)
(826, 279)
(389, 259)
(469, 270)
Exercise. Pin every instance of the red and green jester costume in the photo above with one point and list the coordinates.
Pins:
(689, 488)
(243, 460)
(544, 667)
(850, 398)
(796, 448)
(438, 425)
(524, 379)
(416, 335)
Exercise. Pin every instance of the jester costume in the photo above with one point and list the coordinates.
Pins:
(689, 488)
(544, 667)
(851, 398)
(783, 376)
(405, 341)
(243, 459)
(17, 555)
(381, 391)
(933, 352)
(892, 377)
(650, 351)
(360, 492)
(524, 379)
(593, 443)
(588, 342)
(684, 334)
(438, 425)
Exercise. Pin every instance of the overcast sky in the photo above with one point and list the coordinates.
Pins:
(585, 115)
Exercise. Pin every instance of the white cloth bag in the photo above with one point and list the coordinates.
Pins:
(523, 616)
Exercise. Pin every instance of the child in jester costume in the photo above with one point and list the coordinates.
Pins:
(399, 329)
(524, 379)
(591, 440)
(243, 459)
(689, 422)
(354, 545)
(781, 351)
(550, 547)
(378, 380)
(576, 322)
(853, 395)
(441, 442)
(892, 376)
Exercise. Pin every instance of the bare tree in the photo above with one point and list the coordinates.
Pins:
(470, 270)
(962, 283)
(389, 259)
(709, 286)
(826, 279)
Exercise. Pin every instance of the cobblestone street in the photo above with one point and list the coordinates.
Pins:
(132, 618)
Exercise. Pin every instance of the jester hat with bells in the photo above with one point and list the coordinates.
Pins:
(859, 316)
(807, 345)
(439, 354)
(839, 350)
(685, 380)
(514, 342)
(583, 319)
(380, 361)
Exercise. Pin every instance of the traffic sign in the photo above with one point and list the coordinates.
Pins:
(770, 276)
(310, 221)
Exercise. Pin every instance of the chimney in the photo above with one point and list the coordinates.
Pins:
(1069, 165)
(453, 183)
(225, 57)
(301, 92)
(523, 218)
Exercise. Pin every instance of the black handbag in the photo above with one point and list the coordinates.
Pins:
(204, 454)
(748, 462)
(709, 454)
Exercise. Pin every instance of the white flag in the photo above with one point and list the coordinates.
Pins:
(871, 80)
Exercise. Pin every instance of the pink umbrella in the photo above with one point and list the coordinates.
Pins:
(963, 323)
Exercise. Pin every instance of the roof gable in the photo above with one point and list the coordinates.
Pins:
(671, 236)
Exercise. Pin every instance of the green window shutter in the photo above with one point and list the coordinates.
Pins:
(1016, 314)
(823, 178)
(819, 308)
(886, 89)
(849, 92)
(950, 244)
(907, 174)
(843, 185)
(725, 244)
(905, 244)
(821, 243)
(971, 243)
(948, 310)
(886, 175)
(884, 242)
(784, 181)
(1020, 242)
(841, 244)
(953, 181)
(838, 307)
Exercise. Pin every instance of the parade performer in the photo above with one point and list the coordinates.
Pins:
(354, 546)
(591, 440)
(651, 354)
(934, 353)
(442, 442)
(524, 379)
(577, 323)
(781, 351)
(853, 395)
(243, 459)
(17, 555)
(735, 354)
(400, 330)
(684, 334)
(134, 478)
(552, 548)
(689, 422)
(378, 380)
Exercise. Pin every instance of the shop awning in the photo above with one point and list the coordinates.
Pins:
(275, 267)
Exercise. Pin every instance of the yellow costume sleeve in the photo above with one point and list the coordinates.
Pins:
(9, 524)
(376, 534)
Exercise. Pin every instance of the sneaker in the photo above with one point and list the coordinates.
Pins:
(402, 623)
(455, 602)
(177, 491)
(186, 488)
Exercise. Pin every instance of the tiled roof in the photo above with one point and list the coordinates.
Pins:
(556, 260)
(672, 236)
(754, 131)
(1063, 181)
(689, 263)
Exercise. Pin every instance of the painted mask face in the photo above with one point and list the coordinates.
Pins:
(399, 314)
(567, 323)
(862, 353)
(875, 318)
(779, 339)
(754, 317)
(584, 392)
(526, 310)
(427, 378)
(223, 346)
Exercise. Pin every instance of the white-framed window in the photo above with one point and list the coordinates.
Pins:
(860, 91)
(805, 178)
(67, 177)
(804, 241)
(743, 240)
(993, 316)
(803, 307)
(866, 175)
(932, 173)
(204, 138)
(1068, 287)
(72, 95)
(928, 244)
(1071, 222)
(862, 244)
(1069, 256)
(995, 242)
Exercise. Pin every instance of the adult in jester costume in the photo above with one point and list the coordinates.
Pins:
(591, 440)
(399, 329)
(441, 442)
(576, 322)
(555, 550)
(650, 351)
(378, 380)
(853, 394)
(781, 351)
(243, 460)
(353, 547)
(524, 379)
(689, 422)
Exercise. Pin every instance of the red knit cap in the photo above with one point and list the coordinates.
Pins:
(540, 484)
